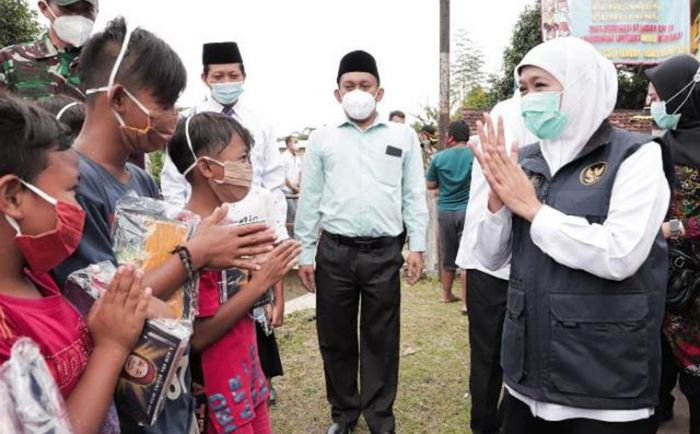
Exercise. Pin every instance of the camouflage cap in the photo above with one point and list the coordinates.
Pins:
(70, 2)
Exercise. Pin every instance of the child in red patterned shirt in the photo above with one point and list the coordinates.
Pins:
(212, 151)
(40, 225)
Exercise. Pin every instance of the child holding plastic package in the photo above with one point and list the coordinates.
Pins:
(40, 225)
(212, 151)
(132, 79)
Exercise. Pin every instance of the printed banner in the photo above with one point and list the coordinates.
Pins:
(624, 31)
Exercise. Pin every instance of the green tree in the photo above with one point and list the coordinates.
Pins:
(18, 23)
(157, 159)
(429, 115)
(526, 35)
(632, 87)
(478, 98)
(466, 69)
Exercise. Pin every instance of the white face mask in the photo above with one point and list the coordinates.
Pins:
(359, 105)
(74, 30)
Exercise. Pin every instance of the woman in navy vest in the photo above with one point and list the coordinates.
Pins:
(578, 216)
(675, 93)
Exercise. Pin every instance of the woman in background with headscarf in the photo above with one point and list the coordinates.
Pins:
(579, 222)
(675, 93)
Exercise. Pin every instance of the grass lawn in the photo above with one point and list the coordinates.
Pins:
(432, 379)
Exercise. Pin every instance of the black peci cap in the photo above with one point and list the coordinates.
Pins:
(358, 61)
(217, 53)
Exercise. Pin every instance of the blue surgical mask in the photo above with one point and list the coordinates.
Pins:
(542, 115)
(662, 118)
(227, 93)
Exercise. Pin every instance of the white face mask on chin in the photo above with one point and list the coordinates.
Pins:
(359, 105)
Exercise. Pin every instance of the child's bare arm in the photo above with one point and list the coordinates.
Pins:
(277, 264)
(209, 330)
(158, 309)
(278, 306)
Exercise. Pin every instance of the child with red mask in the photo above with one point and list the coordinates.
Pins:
(132, 80)
(40, 225)
(212, 151)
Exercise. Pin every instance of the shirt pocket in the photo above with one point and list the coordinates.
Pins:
(606, 334)
(389, 170)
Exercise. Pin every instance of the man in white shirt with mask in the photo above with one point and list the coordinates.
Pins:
(291, 161)
(487, 288)
(224, 74)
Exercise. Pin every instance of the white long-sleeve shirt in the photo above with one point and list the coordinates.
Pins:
(515, 131)
(613, 250)
(292, 172)
(268, 171)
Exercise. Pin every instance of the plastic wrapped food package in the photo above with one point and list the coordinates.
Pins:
(151, 366)
(231, 282)
(85, 286)
(145, 232)
(150, 369)
(233, 279)
(38, 403)
(9, 423)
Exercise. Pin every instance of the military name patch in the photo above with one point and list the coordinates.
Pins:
(593, 173)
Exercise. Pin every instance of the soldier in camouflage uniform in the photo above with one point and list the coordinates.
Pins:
(48, 66)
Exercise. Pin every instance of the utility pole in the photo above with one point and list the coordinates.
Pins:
(444, 70)
(432, 253)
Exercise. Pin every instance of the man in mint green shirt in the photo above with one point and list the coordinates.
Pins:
(363, 182)
(450, 172)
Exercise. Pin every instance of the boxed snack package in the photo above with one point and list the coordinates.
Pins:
(38, 404)
(151, 368)
(145, 232)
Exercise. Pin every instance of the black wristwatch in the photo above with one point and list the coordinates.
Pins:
(676, 228)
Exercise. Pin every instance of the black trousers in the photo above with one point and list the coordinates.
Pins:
(519, 420)
(690, 386)
(487, 307)
(348, 279)
(669, 379)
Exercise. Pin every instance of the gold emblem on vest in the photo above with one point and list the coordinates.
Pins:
(593, 173)
(536, 180)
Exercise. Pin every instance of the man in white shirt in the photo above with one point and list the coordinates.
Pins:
(363, 191)
(487, 302)
(291, 161)
(224, 74)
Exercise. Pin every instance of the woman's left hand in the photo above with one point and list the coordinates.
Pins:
(666, 230)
